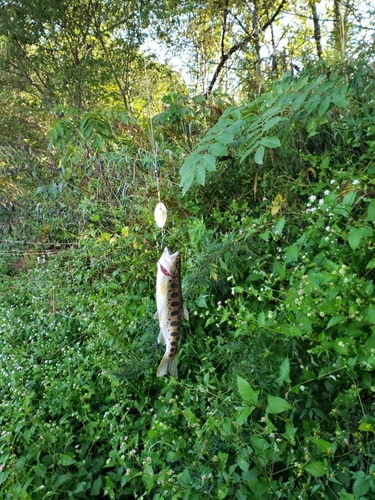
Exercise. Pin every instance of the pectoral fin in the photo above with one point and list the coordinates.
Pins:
(161, 339)
(156, 315)
(185, 312)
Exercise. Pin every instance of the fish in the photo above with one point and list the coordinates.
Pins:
(170, 309)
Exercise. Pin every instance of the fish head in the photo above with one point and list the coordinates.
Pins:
(169, 263)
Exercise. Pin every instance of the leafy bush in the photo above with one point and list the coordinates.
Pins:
(275, 398)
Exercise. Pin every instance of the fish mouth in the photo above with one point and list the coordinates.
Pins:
(165, 272)
(168, 263)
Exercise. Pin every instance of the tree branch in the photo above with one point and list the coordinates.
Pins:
(109, 60)
(239, 46)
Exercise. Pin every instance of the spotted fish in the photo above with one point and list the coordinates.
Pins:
(170, 309)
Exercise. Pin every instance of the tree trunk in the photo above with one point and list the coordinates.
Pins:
(338, 27)
(317, 32)
(256, 36)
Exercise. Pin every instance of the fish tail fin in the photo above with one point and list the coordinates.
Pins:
(167, 365)
(172, 368)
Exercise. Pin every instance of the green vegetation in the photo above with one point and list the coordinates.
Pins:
(271, 202)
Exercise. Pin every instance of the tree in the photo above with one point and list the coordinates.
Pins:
(238, 45)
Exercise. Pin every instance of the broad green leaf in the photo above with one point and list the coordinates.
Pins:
(366, 427)
(209, 162)
(292, 253)
(346, 496)
(325, 163)
(323, 445)
(235, 128)
(233, 111)
(261, 318)
(259, 444)
(149, 478)
(244, 414)
(324, 105)
(185, 478)
(370, 315)
(283, 373)
(62, 479)
(95, 489)
(371, 264)
(340, 345)
(271, 142)
(80, 488)
(349, 198)
(371, 211)
(339, 101)
(246, 391)
(271, 123)
(280, 226)
(218, 149)
(225, 138)
(354, 238)
(304, 322)
(259, 154)
(356, 234)
(223, 491)
(200, 174)
(186, 182)
(201, 301)
(277, 405)
(312, 104)
(334, 321)
(361, 486)
(243, 463)
(265, 236)
(290, 431)
(313, 84)
(251, 145)
(301, 82)
(65, 459)
(188, 163)
(299, 100)
(316, 469)
(3, 476)
(221, 125)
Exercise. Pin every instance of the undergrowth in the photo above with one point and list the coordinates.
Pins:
(276, 390)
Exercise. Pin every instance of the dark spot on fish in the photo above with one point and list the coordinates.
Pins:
(173, 349)
(174, 334)
(171, 355)
(175, 323)
(173, 343)
(175, 304)
(174, 313)
(174, 295)
(174, 285)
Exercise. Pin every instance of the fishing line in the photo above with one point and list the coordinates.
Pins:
(160, 212)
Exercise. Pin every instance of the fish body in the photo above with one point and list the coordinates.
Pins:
(170, 309)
